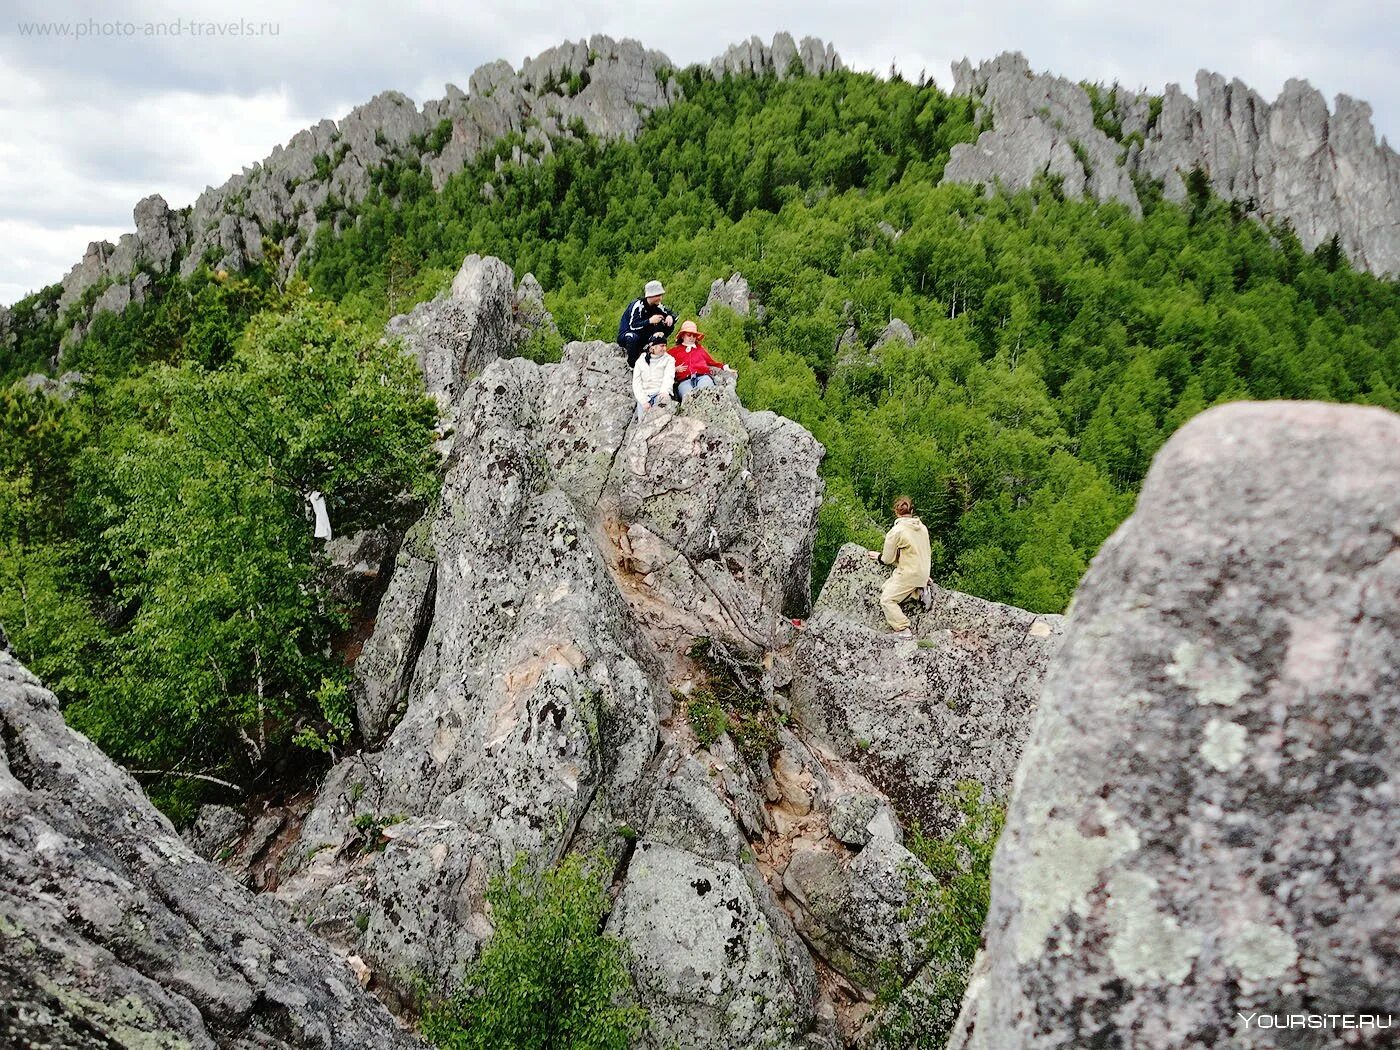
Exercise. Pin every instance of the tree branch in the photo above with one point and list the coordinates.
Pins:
(184, 776)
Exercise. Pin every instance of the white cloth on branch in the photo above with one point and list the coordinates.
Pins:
(323, 520)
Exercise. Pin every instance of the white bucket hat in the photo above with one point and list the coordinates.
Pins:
(654, 288)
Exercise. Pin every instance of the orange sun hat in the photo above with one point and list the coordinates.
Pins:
(689, 328)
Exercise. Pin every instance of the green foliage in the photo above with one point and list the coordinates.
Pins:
(1104, 103)
(706, 716)
(1061, 342)
(37, 326)
(951, 911)
(162, 578)
(731, 700)
(548, 979)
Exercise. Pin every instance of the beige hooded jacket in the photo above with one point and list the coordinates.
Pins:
(907, 549)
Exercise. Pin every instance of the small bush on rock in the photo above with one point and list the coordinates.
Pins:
(953, 909)
(549, 979)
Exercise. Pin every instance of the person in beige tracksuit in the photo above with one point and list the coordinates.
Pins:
(907, 549)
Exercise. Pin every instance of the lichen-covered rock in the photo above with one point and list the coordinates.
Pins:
(456, 335)
(706, 956)
(386, 662)
(1205, 821)
(920, 717)
(114, 933)
(215, 828)
(531, 314)
(855, 909)
(856, 817)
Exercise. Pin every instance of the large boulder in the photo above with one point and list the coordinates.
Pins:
(715, 957)
(1205, 825)
(921, 717)
(114, 933)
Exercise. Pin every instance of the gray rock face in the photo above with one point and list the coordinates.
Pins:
(1204, 823)
(854, 909)
(895, 332)
(456, 335)
(920, 717)
(707, 958)
(216, 828)
(532, 717)
(114, 933)
(755, 58)
(1040, 125)
(720, 504)
(731, 294)
(1323, 172)
(384, 670)
(64, 388)
(715, 954)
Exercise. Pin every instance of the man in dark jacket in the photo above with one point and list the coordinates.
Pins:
(642, 319)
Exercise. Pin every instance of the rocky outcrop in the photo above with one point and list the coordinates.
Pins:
(755, 58)
(1204, 825)
(114, 933)
(270, 212)
(896, 331)
(64, 388)
(456, 335)
(731, 294)
(575, 555)
(1040, 125)
(920, 717)
(1290, 160)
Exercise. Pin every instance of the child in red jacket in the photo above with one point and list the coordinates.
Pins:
(693, 362)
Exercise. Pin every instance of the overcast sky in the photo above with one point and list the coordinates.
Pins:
(89, 125)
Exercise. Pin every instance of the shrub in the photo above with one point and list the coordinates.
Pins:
(548, 978)
(953, 909)
(706, 717)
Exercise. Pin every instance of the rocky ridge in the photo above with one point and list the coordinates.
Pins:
(525, 685)
(1292, 160)
(270, 212)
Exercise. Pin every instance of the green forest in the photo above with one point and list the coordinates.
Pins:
(156, 566)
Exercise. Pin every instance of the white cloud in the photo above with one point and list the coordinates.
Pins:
(93, 126)
(31, 248)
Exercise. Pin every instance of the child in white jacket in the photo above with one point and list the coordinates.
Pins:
(653, 376)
